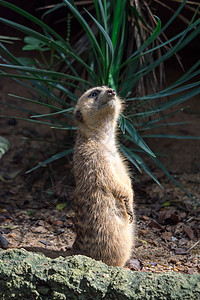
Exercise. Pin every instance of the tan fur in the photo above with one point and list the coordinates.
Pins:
(104, 196)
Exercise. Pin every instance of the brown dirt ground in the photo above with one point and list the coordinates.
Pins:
(36, 209)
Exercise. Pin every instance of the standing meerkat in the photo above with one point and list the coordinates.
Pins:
(103, 196)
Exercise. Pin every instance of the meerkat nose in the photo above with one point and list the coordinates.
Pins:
(111, 92)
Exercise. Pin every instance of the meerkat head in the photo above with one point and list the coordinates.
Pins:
(96, 106)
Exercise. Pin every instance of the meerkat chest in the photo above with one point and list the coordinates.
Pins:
(116, 166)
(120, 171)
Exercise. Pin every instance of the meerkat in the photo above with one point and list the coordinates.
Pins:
(104, 195)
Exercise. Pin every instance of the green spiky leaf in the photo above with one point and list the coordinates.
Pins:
(4, 146)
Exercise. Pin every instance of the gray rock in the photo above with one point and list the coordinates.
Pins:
(27, 275)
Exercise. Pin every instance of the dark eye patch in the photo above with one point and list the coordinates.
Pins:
(93, 94)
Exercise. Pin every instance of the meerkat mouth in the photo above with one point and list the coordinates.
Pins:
(108, 99)
(109, 102)
(111, 96)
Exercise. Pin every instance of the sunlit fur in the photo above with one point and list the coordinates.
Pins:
(104, 196)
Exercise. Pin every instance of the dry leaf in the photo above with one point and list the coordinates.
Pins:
(145, 218)
(189, 232)
(182, 242)
(167, 235)
(3, 242)
(143, 231)
(168, 216)
(190, 271)
(39, 229)
(180, 251)
(134, 264)
(155, 224)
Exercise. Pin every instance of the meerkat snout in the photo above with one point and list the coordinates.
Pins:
(111, 92)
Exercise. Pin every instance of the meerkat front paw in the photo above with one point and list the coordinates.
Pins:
(129, 210)
(130, 214)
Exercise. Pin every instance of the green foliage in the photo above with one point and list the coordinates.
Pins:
(4, 146)
(108, 55)
(34, 44)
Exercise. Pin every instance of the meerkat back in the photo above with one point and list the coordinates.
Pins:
(104, 196)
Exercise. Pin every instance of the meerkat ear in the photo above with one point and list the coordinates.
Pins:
(78, 116)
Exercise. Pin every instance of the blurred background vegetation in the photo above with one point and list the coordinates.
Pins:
(70, 46)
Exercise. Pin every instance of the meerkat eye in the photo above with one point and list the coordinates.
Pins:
(92, 95)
